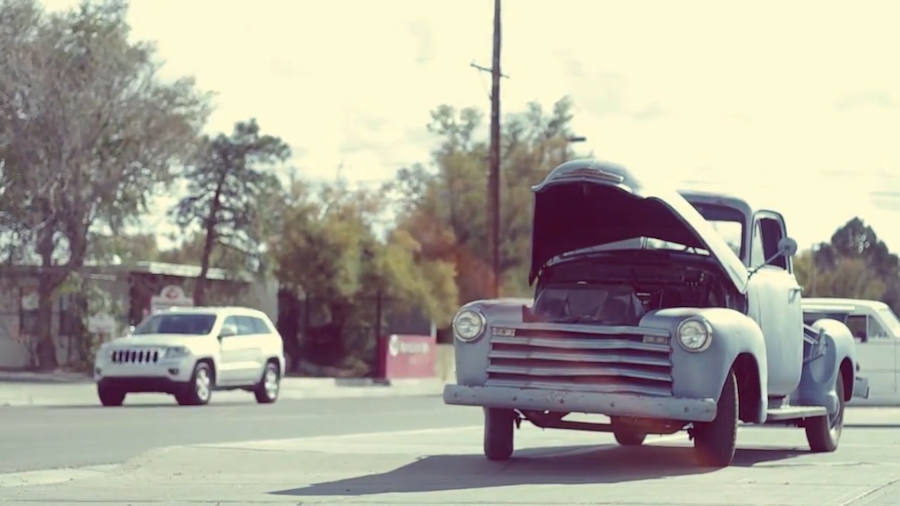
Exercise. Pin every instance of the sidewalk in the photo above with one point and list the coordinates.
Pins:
(58, 376)
(444, 465)
(62, 388)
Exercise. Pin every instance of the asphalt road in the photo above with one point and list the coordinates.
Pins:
(53, 437)
(413, 450)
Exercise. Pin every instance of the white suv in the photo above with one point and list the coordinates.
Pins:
(188, 352)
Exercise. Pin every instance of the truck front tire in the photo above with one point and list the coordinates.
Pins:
(714, 442)
(824, 432)
(627, 435)
(498, 433)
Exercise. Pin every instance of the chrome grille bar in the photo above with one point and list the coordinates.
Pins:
(135, 356)
(582, 357)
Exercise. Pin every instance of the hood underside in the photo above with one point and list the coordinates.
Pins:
(582, 204)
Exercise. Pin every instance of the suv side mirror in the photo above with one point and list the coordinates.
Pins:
(229, 329)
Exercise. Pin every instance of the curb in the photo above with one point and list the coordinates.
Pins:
(83, 393)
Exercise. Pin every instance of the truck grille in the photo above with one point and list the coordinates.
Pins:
(136, 356)
(593, 359)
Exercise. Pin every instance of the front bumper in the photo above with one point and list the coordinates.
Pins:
(640, 406)
(143, 384)
(176, 369)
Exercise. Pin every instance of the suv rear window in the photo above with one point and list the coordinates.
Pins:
(248, 325)
(259, 326)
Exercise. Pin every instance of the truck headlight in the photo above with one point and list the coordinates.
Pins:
(176, 352)
(468, 325)
(694, 334)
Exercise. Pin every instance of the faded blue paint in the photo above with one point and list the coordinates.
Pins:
(770, 333)
(817, 384)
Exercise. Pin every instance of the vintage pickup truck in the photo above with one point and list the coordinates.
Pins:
(661, 310)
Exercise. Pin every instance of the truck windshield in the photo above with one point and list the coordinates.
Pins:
(728, 222)
(189, 324)
(731, 231)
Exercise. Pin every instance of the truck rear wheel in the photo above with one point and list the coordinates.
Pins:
(714, 442)
(498, 433)
(824, 432)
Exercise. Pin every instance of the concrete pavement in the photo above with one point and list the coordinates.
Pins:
(421, 452)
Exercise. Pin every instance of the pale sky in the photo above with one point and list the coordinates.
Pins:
(791, 105)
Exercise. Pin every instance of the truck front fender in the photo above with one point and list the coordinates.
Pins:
(737, 342)
(831, 352)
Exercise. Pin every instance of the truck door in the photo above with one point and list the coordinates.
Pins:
(774, 303)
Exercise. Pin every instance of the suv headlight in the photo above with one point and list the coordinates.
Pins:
(468, 325)
(104, 352)
(176, 352)
(694, 334)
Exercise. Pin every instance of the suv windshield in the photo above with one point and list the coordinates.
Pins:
(192, 324)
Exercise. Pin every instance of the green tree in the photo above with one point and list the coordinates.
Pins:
(122, 248)
(855, 264)
(228, 180)
(444, 209)
(86, 130)
(328, 251)
(849, 277)
(191, 248)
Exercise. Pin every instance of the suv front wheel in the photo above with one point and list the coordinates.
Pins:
(110, 396)
(198, 390)
(266, 390)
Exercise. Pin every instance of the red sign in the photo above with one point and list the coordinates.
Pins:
(407, 356)
(170, 296)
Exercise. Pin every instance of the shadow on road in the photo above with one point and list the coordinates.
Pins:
(111, 409)
(558, 466)
(155, 405)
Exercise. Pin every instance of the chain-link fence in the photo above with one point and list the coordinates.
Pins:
(336, 338)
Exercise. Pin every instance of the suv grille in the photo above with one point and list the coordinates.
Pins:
(137, 356)
(589, 358)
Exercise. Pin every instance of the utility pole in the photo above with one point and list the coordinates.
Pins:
(494, 176)
(493, 200)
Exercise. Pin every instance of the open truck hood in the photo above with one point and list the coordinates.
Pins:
(584, 203)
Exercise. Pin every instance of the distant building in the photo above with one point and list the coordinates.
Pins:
(135, 291)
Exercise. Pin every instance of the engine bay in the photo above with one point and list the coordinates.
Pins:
(600, 291)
